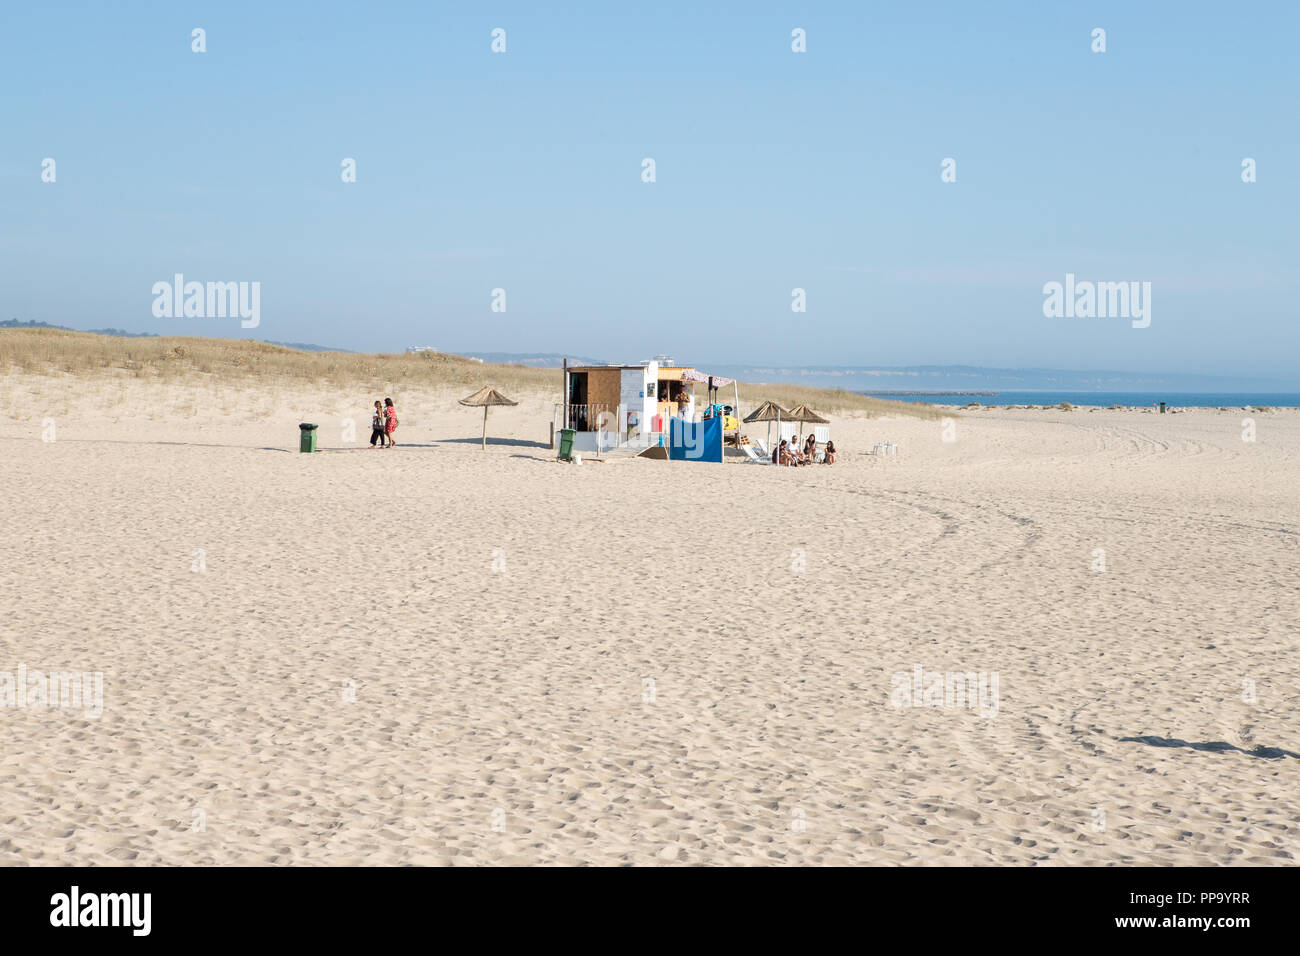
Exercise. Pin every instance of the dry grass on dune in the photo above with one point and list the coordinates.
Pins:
(185, 360)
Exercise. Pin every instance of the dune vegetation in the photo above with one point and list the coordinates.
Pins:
(244, 362)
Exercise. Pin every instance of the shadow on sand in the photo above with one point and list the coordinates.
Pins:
(505, 442)
(1215, 746)
(181, 444)
(510, 442)
(400, 446)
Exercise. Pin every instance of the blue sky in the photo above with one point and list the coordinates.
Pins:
(775, 170)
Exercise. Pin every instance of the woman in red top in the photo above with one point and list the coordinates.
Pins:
(390, 421)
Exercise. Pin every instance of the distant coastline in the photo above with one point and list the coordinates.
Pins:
(1172, 399)
(948, 383)
(896, 394)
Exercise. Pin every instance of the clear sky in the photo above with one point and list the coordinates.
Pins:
(774, 170)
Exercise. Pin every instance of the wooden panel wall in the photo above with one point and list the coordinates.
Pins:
(604, 387)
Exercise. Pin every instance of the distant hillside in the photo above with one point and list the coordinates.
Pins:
(534, 359)
(123, 334)
(32, 324)
(304, 347)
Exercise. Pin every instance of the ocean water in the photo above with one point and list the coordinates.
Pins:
(1104, 399)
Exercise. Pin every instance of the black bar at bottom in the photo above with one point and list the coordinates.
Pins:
(301, 906)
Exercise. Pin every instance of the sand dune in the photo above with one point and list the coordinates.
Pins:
(438, 655)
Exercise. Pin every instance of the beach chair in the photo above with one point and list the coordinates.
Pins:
(751, 454)
(762, 447)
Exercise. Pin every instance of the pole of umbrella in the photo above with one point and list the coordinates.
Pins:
(735, 391)
(485, 410)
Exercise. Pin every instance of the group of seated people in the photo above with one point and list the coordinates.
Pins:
(789, 452)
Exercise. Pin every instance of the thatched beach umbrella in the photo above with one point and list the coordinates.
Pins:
(802, 413)
(768, 412)
(486, 397)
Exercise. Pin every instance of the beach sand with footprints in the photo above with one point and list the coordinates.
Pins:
(440, 655)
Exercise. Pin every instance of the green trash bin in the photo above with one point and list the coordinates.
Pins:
(307, 439)
(566, 444)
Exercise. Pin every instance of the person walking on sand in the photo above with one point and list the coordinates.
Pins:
(390, 421)
(377, 432)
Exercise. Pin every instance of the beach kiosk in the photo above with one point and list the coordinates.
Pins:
(631, 407)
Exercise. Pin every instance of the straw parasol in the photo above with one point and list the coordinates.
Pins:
(768, 412)
(486, 397)
(802, 413)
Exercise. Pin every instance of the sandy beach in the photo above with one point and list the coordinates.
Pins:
(439, 655)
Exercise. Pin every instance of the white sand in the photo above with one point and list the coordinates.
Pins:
(500, 716)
